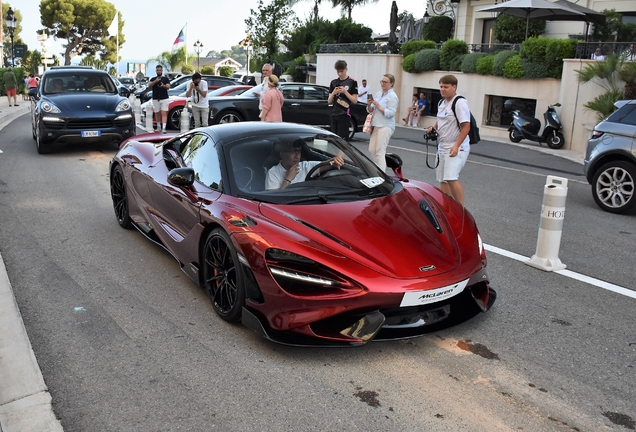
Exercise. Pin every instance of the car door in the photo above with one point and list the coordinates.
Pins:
(315, 107)
(176, 209)
(292, 107)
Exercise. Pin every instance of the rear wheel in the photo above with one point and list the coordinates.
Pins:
(223, 278)
(230, 117)
(120, 198)
(174, 118)
(556, 140)
(613, 187)
(515, 136)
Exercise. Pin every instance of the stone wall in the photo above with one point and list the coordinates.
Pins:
(476, 88)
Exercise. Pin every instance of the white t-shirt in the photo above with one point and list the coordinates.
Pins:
(198, 100)
(276, 174)
(363, 97)
(447, 129)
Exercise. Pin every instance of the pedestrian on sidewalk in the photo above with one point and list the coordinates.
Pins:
(198, 94)
(343, 91)
(10, 85)
(272, 101)
(384, 107)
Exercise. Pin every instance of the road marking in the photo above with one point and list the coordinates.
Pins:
(491, 165)
(568, 273)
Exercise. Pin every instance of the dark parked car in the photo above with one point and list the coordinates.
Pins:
(610, 160)
(304, 103)
(79, 105)
(341, 256)
(128, 82)
(214, 82)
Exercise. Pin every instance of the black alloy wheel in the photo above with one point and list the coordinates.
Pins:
(120, 198)
(174, 118)
(222, 276)
(230, 117)
(42, 148)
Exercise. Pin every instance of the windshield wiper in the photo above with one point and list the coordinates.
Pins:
(321, 197)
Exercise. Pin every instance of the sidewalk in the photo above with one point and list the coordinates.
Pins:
(25, 403)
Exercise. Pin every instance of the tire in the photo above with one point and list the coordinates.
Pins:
(42, 148)
(223, 277)
(120, 198)
(352, 129)
(613, 187)
(515, 136)
(230, 117)
(174, 118)
(556, 141)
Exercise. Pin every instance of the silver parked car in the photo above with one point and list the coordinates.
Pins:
(610, 160)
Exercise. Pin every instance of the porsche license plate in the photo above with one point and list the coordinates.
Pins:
(416, 298)
(89, 134)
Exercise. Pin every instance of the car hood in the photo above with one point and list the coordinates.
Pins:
(83, 103)
(396, 235)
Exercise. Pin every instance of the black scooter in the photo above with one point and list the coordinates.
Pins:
(526, 127)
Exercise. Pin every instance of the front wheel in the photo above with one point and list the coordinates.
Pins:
(613, 187)
(515, 136)
(120, 198)
(556, 140)
(223, 278)
(42, 148)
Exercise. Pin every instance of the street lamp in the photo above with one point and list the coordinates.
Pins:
(198, 47)
(11, 23)
(427, 17)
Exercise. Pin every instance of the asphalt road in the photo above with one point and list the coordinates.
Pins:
(126, 342)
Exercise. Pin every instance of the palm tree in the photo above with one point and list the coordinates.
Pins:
(170, 60)
(347, 5)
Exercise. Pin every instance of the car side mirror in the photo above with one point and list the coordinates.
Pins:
(182, 177)
(124, 92)
(393, 161)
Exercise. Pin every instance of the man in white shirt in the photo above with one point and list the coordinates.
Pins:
(266, 71)
(198, 94)
(291, 169)
(363, 92)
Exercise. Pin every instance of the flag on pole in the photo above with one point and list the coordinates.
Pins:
(181, 38)
(114, 26)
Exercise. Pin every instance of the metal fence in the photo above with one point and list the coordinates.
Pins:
(586, 49)
(384, 48)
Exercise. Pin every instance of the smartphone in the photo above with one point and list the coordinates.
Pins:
(370, 97)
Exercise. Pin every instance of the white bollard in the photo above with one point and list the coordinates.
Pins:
(136, 107)
(546, 256)
(185, 119)
(149, 116)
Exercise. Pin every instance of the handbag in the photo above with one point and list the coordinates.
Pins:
(367, 128)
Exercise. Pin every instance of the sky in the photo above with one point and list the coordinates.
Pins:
(218, 24)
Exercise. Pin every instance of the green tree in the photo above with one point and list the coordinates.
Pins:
(31, 61)
(605, 73)
(170, 60)
(90, 60)
(438, 29)
(307, 38)
(512, 29)
(614, 29)
(83, 24)
(271, 24)
(207, 70)
(314, 16)
(109, 52)
(226, 71)
(17, 40)
(348, 5)
(187, 69)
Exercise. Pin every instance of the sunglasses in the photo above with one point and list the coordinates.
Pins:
(296, 150)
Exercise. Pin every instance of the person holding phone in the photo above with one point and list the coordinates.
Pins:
(343, 91)
(160, 85)
(198, 92)
(384, 107)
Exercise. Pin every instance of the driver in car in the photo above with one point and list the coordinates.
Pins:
(291, 169)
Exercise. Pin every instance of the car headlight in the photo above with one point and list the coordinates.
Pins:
(48, 107)
(123, 106)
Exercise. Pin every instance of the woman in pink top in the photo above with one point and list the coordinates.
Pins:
(272, 102)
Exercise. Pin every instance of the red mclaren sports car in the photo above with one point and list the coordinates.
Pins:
(342, 254)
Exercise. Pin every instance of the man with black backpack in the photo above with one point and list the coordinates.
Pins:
(453, 144)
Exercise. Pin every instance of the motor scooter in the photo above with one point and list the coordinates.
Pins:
(526, 127)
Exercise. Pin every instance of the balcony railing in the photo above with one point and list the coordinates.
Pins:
(383, 48)
(586, 49)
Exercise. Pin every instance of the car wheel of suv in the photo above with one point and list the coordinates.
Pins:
(42, 148)
(556, 141)
(613, 186)
(230, 117)
(223, 276)
(174, 118)
(352, 128)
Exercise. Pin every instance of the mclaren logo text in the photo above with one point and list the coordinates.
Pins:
(427, 268)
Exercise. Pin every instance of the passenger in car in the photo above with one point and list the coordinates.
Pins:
(56, 86)
(92, 84)
(291, 169)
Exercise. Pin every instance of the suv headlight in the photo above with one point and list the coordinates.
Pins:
(48, 107)
(123, 106)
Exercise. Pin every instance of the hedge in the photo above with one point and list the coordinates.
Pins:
(412, 47)
(427, 60)
(469, 63)
(513, 67)
(408, 64)
(485, 65)
(452, 48)
(501, 59)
